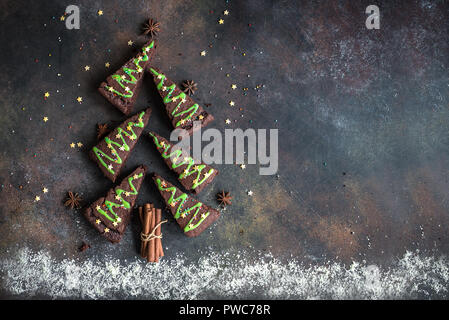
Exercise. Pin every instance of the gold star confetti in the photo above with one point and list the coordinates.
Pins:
(107, 64)
(46, 94)
(242, 166)
(79, 99)
(37, 198)
(44, 190)
(231, 103)
(250, 193)
(79, 144)
(100, 12)
(114, 224)
(221, 21)
(226, 12)
(72, 145)
(119, 219)
(228, 121)
(45, 119)
(135, 176)
(234, 86)
(203, 53)
(97, 221)
(62, 18)
(130, 43)
(106, 230)
(87, 68)
(97, 207)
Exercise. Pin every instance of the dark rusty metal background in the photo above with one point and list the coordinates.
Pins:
(362, 118)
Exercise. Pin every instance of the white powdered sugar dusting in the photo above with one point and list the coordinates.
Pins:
(225, 275)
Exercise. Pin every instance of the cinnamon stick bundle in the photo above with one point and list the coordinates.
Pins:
(151, 235)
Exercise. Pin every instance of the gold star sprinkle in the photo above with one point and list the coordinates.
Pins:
(228, 121)
(226, 12)
(250, 193)
(119, 219)
(100, 12)
(87, 68)
(97, 207)
(45, 119)
(44, 190)
(106, 230)
(130, 43)
(79, 99)
(46, 94)
(72, 145)
(221, 21)
(231, 103)
(62, 18)
(234, 86)
(203, 53)
(114, 224)
(107, 64)
(135, 176)
(37, 198)
(79, 144)
(97, 221)
(242, 166)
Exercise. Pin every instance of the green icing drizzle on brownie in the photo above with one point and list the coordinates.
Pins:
(122, 80)
(179, 202)
(121, 133)
(121, 202)
(191, 168)
(189, 113)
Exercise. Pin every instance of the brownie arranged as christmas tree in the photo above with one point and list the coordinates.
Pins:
(122, 87)
(194, 177)
(181, 109)
(192, 216)
(111, 214)
(113, 151)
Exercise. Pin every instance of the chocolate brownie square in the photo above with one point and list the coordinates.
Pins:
(113, 150)
(111, 214)
(194, 177)
(122, 88)
(192, 215)
(180, 108)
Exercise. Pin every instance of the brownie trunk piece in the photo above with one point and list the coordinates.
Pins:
(111, 214)
(181, 109)
(194, 177)
(113, 151)
(122, 87)
(192, 216)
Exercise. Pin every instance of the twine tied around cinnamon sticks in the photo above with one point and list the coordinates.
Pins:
(151, 244)
(152, 235)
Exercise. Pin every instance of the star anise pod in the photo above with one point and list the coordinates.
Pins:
(189, 87)
(102, 130)
(73, 200)
(224, 198)
(151, 27)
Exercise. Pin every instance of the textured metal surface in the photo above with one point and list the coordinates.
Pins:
(362, 118)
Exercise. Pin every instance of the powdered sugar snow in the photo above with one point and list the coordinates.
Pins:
(224, 275)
